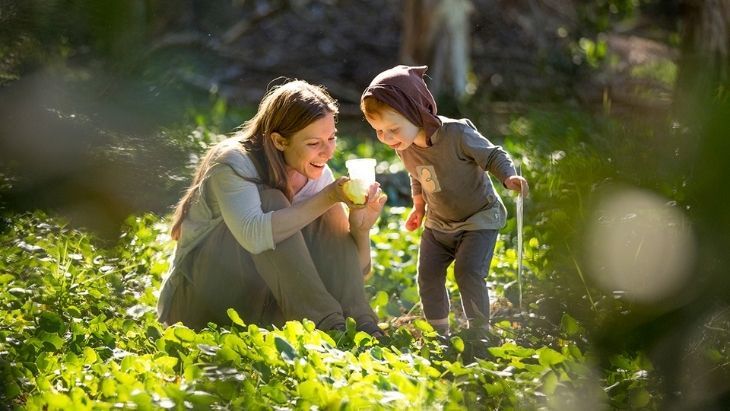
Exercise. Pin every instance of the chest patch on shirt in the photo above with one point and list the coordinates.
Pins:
(429, 180)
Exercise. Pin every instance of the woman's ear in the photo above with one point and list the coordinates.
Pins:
(279, 141)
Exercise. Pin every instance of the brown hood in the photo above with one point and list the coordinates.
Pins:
(403, 88)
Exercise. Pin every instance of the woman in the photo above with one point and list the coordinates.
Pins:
(262, 229)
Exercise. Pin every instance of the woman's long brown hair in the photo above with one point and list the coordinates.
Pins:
(285, 109)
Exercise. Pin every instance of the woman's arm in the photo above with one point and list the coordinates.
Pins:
(287, 221)
(240, 206)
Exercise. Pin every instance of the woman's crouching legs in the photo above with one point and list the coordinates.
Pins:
(335, 256)
(293, 278)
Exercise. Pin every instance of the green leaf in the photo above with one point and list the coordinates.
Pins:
(228, 354)
(410, 295)
(109, 388)
(45, 361)
(90, 356)
(494, 389)
(284, 348)
(569, 325)
(547, 356)
(309, 325)
(313, 391)
(51, 338)
(457, 343)
(74, 312)
(166, 362)
(153, 332)
(361, 338)
(509, 350)
(51, 322)
(57, 401)
(549, 383)
(202, 399)
(350, 326)
(192, 372)
(713, 355)
(423, 326)
(184, 333)
(233, 315)
(380, 299)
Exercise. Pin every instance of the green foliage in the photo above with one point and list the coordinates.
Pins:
(601, 15)
(78, 327)
(78, 331)
(593, 52)
(663, 71)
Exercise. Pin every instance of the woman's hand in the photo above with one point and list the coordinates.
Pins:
(337, 193)
(363, 216)
(518, 184)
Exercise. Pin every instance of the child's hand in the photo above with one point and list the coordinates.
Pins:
(414, 220)
(416, 217)
(518, 184)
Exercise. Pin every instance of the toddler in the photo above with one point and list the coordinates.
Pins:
(446, 160)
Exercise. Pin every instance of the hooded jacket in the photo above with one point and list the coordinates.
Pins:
(450, 172)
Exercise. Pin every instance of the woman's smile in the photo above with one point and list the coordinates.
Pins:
(309, 149)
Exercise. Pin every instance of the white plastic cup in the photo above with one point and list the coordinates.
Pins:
(361, 169)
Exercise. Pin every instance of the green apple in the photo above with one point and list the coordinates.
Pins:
(356, 190)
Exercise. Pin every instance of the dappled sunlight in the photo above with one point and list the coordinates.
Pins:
(640, 244)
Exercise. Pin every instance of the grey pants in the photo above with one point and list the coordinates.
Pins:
(471, 252)
(313, 274)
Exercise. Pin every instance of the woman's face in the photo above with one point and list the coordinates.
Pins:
(396, 131)
(309, 149)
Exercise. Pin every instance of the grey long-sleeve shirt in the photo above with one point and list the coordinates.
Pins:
(451, 176)
(226, 196)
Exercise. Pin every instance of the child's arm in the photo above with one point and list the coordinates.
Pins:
(416, 217)
(488, 156)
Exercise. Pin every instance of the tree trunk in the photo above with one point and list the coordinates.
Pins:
(704, 67)
(436, 33)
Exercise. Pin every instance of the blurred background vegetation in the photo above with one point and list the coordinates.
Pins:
(106, 106)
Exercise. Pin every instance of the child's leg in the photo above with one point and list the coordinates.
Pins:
(473, 258)
(433, 260)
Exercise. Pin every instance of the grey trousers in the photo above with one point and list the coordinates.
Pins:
(313, 274)
(471, 252)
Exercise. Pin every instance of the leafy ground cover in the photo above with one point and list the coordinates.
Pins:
(78, 330)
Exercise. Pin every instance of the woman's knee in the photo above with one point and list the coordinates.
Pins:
(273, 199)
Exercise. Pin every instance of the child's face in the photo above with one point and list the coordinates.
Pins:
(396, 131)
